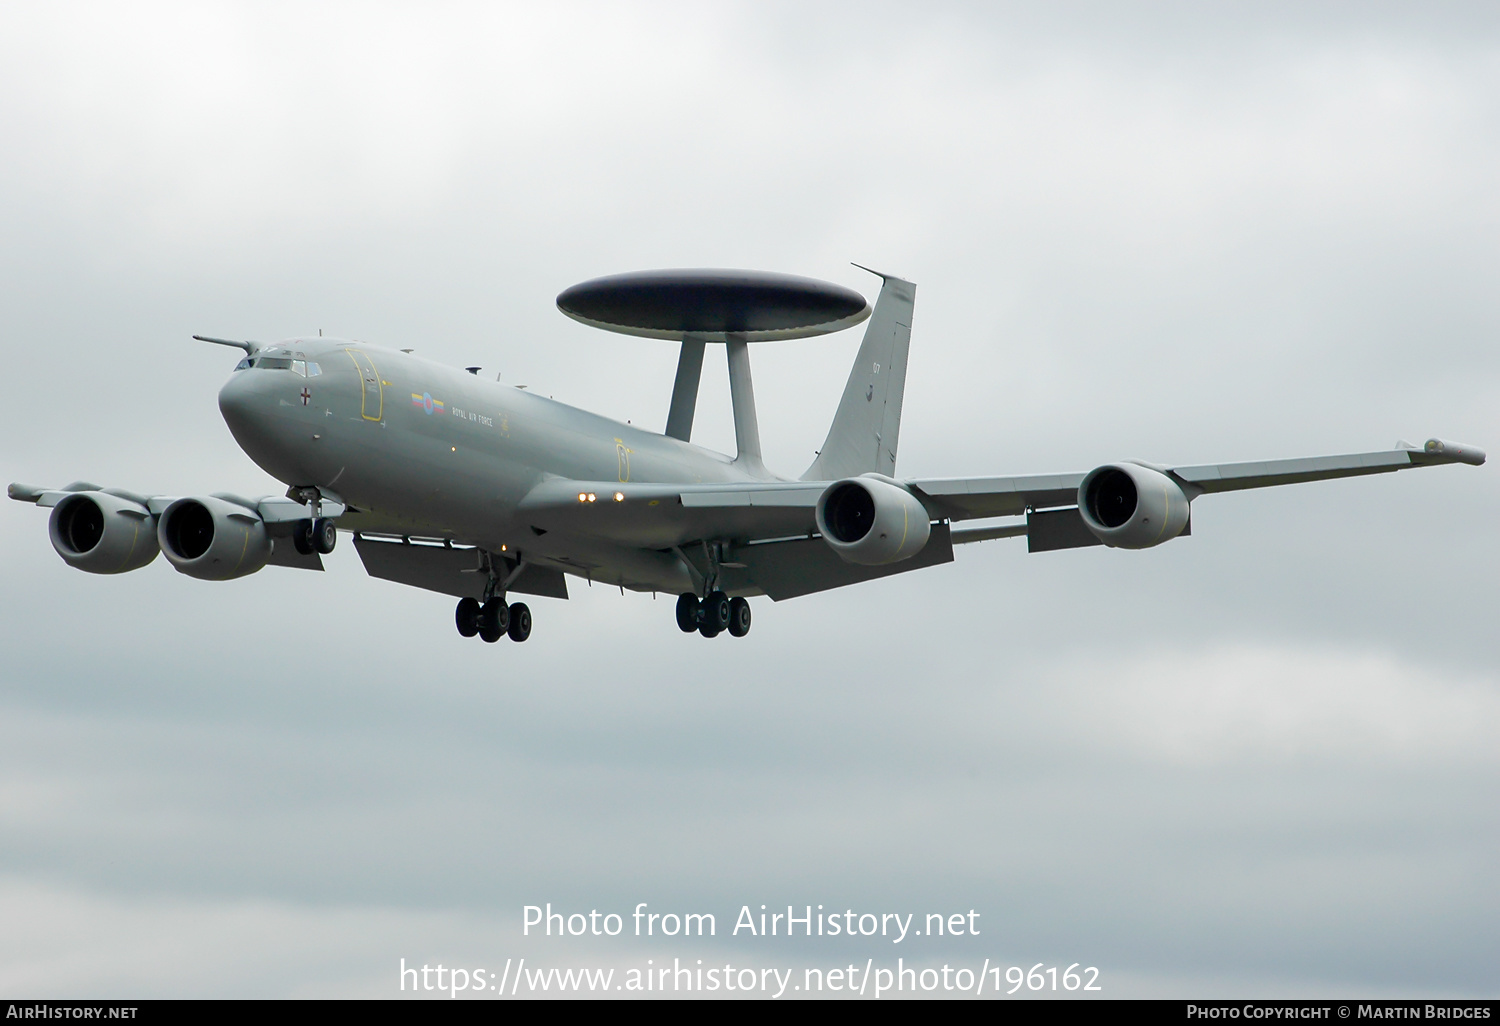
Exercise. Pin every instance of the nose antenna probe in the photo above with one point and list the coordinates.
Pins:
(248, 347)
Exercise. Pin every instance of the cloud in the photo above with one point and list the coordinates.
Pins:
(1253, 759)
(1249, 705)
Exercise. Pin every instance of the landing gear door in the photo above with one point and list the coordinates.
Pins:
(372, 401)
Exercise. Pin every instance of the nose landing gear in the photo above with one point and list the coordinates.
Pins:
(318, 535)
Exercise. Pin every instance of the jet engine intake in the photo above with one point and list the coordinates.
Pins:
(102, 533)
(1128, 506)
(870, 521)
(212, 539)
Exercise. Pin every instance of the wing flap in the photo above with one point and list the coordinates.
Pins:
(448, 571)
(978, 534)
(284, 553)
(787, 569)
(1051, 530)
(778, 497)
(957, 498)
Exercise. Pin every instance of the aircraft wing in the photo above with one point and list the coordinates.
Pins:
(969, 498)
(661, 516)
(278, 513)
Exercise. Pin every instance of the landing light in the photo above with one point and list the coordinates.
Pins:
(583, 496)
(619, 496)
(592, 496)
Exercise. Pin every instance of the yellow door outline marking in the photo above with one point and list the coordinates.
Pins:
(623, 454)
(368, 376)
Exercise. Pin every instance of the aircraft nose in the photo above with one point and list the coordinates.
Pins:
(238, 402)
(270, 425)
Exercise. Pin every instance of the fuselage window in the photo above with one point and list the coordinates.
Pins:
(242, 364)
(313, 370)
(299, 367)
(272, 363)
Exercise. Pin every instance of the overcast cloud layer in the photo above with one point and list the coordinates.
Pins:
(1260, 760)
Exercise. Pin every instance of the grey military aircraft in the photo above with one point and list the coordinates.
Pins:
(482, 491)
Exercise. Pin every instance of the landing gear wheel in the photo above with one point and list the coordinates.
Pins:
(467, 617)
(687, 612)
(494, 618)
(708, 630)
(324, 535)
(302, 537)
(715, 612)
(739, 617)
(520, 622)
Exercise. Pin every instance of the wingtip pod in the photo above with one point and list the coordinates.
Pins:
(1456, 452)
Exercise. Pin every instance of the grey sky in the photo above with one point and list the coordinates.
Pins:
(1258, 760)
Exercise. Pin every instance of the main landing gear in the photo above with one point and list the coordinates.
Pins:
(713, 615)
(715, 612)
(493, 620)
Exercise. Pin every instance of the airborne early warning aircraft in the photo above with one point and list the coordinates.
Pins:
(482, 491)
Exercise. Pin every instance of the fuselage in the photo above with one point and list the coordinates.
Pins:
(431, 449)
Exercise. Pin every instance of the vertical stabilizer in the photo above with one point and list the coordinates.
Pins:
(866, 427)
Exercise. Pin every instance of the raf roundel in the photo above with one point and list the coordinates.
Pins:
(714, 305)
(427, 403)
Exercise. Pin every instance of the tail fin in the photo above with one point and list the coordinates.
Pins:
(864, 432)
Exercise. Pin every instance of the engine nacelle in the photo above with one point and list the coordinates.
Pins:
(103, 533)
(213, 540)
(1128, 506)
(872, 522)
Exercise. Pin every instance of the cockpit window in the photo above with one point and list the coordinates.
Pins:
(306, 368)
